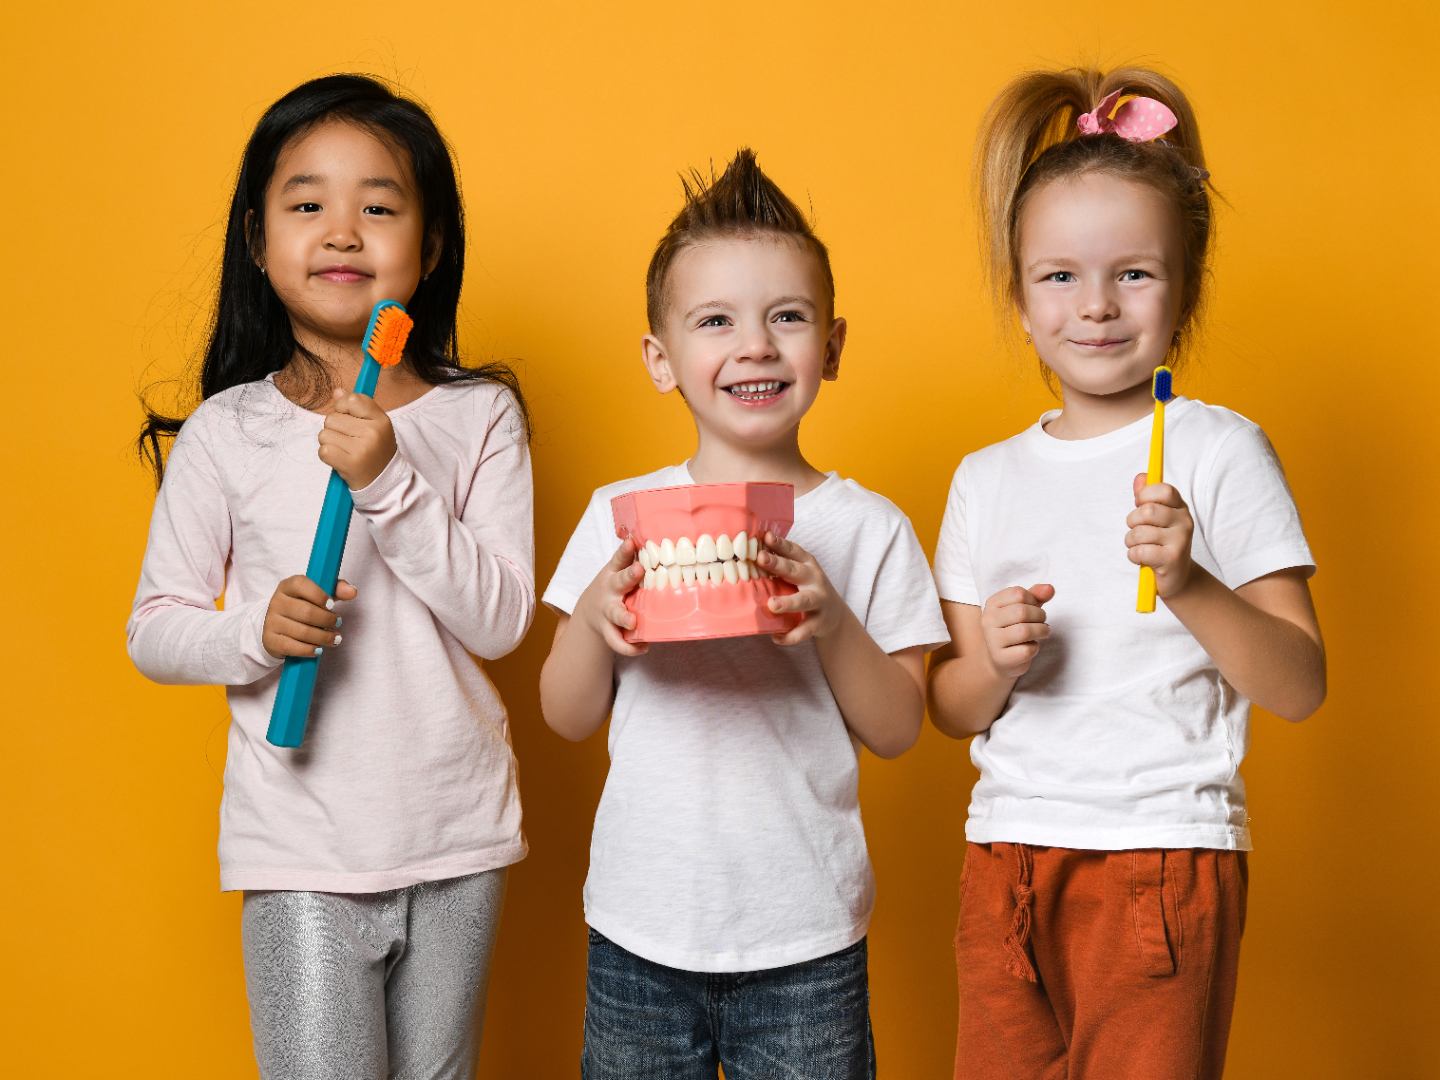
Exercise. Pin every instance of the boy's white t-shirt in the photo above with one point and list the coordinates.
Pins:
(728, 837)
(1123, 733)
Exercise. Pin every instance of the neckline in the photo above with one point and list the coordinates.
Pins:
(831, 476)
(399, 410)
(1076, 449)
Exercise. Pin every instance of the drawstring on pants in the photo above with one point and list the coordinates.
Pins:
(1017, 950)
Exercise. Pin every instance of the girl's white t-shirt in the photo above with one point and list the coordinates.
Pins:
(1123, 733)
(728, 837)
(406, 774)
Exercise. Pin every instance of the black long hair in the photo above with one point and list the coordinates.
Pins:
(250, 334)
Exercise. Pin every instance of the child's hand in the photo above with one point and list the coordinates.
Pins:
(1159, 536)
(601, 606)
(1013, 624)
(299, 621)
(816, 599)
(357, 440)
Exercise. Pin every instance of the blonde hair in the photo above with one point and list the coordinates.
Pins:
(1029, 138)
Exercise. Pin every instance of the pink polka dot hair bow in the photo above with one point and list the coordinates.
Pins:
(1139, 120)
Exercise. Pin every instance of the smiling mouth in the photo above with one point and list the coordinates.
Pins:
(758, 391)
(342, 274)
(1103, 343)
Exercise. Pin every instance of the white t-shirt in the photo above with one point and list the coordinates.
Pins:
(1123, 733)
(728, 837)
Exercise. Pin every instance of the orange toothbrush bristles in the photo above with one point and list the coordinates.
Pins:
(386, 344)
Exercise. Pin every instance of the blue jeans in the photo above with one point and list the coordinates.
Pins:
(645, 1021)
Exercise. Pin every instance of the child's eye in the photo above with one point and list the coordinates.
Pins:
(308, 208)
(790, 316)
(1134, 275)
(378, 211)
(1061, 277)
(714, 320)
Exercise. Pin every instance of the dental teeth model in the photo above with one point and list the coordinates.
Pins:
(699, 545)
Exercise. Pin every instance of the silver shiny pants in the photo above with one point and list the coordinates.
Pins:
(371, 986)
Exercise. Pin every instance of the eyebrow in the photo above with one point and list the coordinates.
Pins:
(793, 300)
(1056, 260)
(719, 305)
(304, 179)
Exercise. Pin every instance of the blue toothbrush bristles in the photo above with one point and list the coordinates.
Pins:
(1161, 386)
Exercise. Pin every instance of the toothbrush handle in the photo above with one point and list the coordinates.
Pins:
(1145, 601)
(291, 710)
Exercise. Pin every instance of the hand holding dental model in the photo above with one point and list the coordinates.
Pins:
(822, 608)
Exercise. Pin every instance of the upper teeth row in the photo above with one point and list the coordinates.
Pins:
(756, 387)
(707, 549)
(715, 573)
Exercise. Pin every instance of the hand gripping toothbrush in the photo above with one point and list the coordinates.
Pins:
(382, 346)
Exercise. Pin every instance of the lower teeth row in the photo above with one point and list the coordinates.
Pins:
(715, 573)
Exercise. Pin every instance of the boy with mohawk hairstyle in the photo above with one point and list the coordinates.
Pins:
(730, 889)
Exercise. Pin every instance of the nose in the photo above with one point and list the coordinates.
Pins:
(342, 235)
(756, 343)
(1098, 303)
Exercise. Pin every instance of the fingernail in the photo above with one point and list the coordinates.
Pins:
(330, 604)
(338, 621)
(319, 651)
(338, 639)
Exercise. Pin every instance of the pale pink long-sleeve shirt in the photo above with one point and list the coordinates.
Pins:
(407, 773)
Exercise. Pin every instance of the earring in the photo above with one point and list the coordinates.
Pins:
(262, 271)
(1027, 340)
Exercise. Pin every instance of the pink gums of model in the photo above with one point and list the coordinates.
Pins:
(698, 545)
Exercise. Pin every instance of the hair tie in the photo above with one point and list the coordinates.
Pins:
(1139, 120)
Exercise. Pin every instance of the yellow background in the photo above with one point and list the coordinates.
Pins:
(124, 129)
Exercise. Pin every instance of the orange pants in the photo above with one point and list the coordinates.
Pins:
(1097, 965)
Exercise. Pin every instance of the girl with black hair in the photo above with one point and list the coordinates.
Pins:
(373, 858)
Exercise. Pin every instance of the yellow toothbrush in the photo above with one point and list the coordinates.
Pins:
(1161, 391)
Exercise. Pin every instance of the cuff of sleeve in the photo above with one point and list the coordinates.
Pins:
(1269, 561)
(392, 479)
(252, 643)
(957, 590)
(561, 600)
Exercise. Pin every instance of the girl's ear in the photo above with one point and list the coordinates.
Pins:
(253, 244)
(834, 346)
(430, 255)
(657, 363)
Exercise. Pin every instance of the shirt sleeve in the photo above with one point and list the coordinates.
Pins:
(175, 633)
(954, 575)
(591, 544)
(904, 610)
(1244, 509)
(475, 572)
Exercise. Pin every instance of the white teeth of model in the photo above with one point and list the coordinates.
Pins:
(742, 569)
(684, 551)
(687, 574)
(653, 550)
(739, 544)
(754, 547)
(705, 548)
(717, 573)
(728, 571)
(672, 575)
(649, 579)
(644, 557)
(667, 552)
(724, 549)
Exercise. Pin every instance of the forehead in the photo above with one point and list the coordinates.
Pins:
(1096, 214)
(744, 268)
(337, 151)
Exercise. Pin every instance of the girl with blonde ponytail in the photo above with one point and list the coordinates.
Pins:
(1104, 886)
